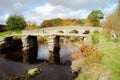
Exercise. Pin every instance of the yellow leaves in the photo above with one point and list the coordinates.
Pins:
(89, 53)
(87, 22)
(60, 22)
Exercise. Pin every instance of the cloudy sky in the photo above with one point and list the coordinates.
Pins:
(39, 10)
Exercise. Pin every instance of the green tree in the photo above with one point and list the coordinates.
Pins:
(95, 16)
(15, 22)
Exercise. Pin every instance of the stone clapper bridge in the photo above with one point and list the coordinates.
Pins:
(30, 45)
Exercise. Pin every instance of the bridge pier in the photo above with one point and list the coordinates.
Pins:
(30, 48)
(56, 50)
(55, 54)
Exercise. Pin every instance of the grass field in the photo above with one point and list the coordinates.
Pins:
(111, 58)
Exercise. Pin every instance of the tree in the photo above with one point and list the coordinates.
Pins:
(113, 21)
(46, 23)
(56, 21)
(118, 8)
(95, 16)
(15, 22)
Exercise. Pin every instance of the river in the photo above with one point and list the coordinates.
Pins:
(49, 71)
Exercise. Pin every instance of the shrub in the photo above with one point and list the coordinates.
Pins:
(74, 31)
(72, 38)
(96, 32)
(85, 55)
(95, 37)
(42, 39)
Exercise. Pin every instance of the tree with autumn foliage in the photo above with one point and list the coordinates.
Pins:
(56, 21)
(69, 22)
(59, 22)
(46, 23)
(112, 22)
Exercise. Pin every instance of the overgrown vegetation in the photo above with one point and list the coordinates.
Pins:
(84, 58)
(103, 63)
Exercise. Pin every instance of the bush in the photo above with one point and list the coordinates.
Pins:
(96, 32)
(85, 55)
(42, 39)
(74, 31)
(95, 37)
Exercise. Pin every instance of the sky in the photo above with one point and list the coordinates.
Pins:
(39, 10)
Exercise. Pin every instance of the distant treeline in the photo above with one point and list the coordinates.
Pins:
(2, 28)
(93, 19)
(69, 22)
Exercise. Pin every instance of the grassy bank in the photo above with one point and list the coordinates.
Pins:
(111, 58)
(110, 62)
(2, 34)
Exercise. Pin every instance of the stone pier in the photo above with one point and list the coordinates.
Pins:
(11, 48)
(56, 50)
(30, 48)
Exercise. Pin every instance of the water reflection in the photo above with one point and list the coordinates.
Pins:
(43, 52)
(67, 47)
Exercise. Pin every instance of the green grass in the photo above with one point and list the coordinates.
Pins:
(2, 34)
(111, 58)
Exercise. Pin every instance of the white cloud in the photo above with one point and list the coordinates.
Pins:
(49, 11)
(3, 18)
(44, 10)
(82, 4)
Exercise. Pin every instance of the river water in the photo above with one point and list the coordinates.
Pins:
(67, 48)
(49, 72)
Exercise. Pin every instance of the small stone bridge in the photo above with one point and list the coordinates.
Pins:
(29, 42)
(64, 29)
